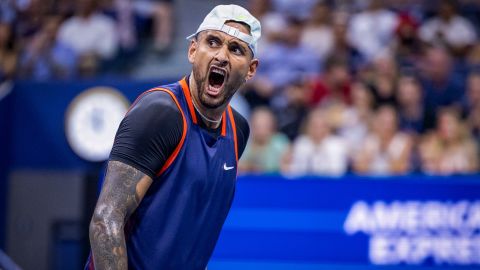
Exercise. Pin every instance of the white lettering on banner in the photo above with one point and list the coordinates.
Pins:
(414, 232)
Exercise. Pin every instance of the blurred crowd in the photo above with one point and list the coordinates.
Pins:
(67, 39)
(366, 87)
(361, 86)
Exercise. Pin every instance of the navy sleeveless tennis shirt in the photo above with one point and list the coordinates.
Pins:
(178, 222)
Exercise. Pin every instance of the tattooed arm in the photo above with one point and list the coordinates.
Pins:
(122, 191)
(146, 149)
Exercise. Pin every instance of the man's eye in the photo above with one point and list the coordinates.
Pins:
(237, 50)
(213, 42)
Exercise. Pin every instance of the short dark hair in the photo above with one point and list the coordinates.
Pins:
(242, 23)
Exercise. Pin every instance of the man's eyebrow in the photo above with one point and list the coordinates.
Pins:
(239, 44)
(233, 41)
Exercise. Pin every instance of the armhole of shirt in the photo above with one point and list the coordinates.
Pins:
(174, 155)
(234, 129)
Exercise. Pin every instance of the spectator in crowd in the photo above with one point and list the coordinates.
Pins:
(474, 125)
(29, 18)
(319, 28)
(318, 151)
(472, 105)
(8, 54)
(266, 147)
(125, 17)
(385, 150)
(160, 12)
(473, 57)
(450, 148)
(449, 29)
(130, 38)
(383, 80)
(408, 45)
(372, 30)
(441, 85)
(472, 97)
(292, 114)
(311, 51)
(343, 48)
(259, 91)
(333, 86)
(282, 63)
(273, 23)
(354, 120)
(409, 98)
(91, 34)
(45, 57)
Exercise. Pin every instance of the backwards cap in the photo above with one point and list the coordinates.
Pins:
(215, 20)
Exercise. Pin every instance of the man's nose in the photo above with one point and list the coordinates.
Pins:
(221, 57)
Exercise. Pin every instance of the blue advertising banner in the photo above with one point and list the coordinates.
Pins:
(352, 223)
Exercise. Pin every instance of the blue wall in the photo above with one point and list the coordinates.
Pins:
(36, 127)
(5, 117)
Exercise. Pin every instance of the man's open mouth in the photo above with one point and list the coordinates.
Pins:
(216, 80)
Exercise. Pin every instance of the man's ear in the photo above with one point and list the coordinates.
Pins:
(192, 49)
(252, 69)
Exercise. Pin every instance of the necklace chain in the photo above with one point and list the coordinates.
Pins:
(204, 117)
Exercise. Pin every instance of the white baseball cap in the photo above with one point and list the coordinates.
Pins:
(215, 20)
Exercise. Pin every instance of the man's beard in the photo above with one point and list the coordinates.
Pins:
(229, 89)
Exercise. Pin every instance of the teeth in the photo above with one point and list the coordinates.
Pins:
(219, 71)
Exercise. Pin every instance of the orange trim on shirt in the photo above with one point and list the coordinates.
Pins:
(234, 129)
(188, 97)
(140, 97)
(224, 124)
(174, 155)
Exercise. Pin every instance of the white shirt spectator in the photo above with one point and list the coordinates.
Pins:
(311, 37)
(458, 31)
(380, 159)
(353, 129)
(273, 25)
(326, 158)
(95, 34)
(371, 31)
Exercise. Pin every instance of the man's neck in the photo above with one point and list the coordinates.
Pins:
(210, 117)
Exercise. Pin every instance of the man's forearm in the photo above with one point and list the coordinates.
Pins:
(107, 240)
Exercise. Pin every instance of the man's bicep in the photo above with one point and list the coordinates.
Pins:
(123, 189)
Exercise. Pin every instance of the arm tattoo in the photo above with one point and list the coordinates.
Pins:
(117, 201)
